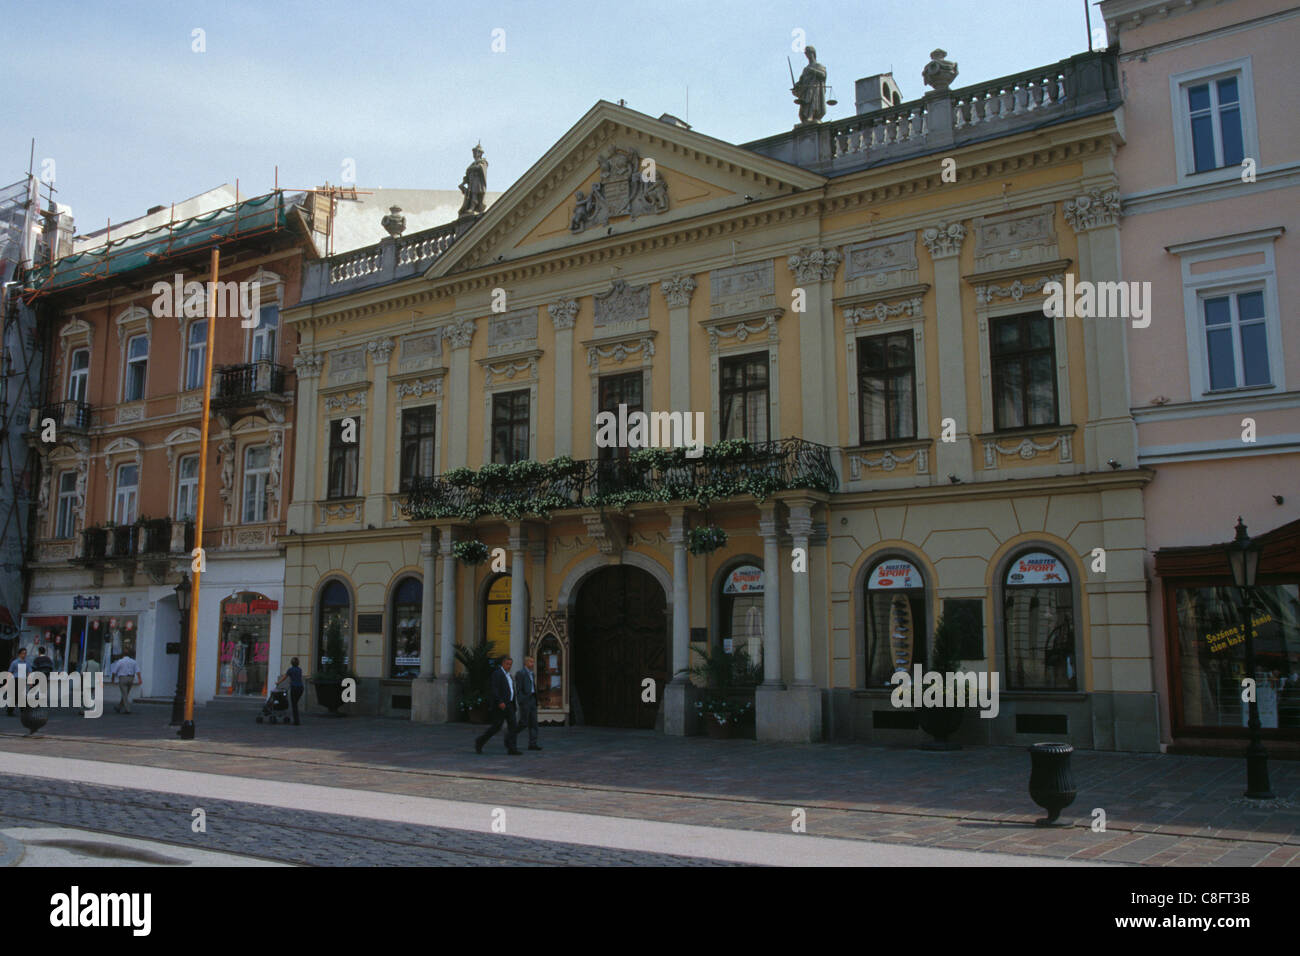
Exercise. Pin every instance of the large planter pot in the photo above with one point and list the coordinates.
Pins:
(941, 723)
(329, 694)
(718, 730)
(477, 715)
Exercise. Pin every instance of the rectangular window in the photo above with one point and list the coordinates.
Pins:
(1214, 115)
(510, 427)
(887, 387)
(78, 375)
(1236, 340)
(67, 512)
(417, 444)
(743, 397)
(187, 488)
(137, 365)
(128, 481)
(1022, 352)
(257, 469)
(264, 336)
(343, 459)
(616, 390)
(196, 354)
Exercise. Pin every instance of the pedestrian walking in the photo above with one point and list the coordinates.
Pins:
(19, 668)
(43, 662)
(127, 674)
(503, 709)
(527, 685)
(296, 686)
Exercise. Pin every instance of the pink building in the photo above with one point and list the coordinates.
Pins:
(1210, 192)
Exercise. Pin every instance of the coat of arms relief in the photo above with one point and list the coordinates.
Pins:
(625, 189)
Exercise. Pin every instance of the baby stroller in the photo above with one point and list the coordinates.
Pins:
(276, 703)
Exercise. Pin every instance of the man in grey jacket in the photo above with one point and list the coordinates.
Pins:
(526, 686)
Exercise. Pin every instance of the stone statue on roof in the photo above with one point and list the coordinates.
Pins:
(810, 90)
(474, 185)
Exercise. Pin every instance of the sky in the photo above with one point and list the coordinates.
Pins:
(130, 107)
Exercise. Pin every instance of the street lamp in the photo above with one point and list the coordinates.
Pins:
(183, 591)
(1243, 559)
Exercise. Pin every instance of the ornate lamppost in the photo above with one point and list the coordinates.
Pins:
(183, 591)
(1243, 558)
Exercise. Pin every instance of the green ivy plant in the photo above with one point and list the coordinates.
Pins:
(705, 539)
(471, 551)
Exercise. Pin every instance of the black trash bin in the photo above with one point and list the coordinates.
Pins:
(1051, 782)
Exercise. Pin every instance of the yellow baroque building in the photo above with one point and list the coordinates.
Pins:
(895, 430)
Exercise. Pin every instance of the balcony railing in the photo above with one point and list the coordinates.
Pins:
(235, 385)
(726, 470)
(68, 416)
(149, 538)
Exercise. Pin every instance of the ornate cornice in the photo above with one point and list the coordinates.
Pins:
(944, 240)
(815, 265)
(678, 290)
(857, 314)
(1093, 209)
(1016, 290)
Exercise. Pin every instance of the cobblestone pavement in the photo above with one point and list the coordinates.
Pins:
(292, 836)
(1159, 809)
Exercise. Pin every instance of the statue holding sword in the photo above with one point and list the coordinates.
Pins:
(810, 89)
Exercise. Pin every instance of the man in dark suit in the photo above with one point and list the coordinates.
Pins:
(503, 709)
(527, 693)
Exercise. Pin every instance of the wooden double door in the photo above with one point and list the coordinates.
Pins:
(620, 637)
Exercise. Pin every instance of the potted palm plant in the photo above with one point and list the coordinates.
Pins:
(328, 681)
(942, 722)
(727, 706)
(477, 664)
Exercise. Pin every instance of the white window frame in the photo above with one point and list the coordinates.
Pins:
(255, 482)
(126, 494)
(1200, 286)
(260, 335)
(1184, 161)
(128, 361)
(78, 379)
(187, 488)
(65, 519)
(1234, 328)
(190, 348)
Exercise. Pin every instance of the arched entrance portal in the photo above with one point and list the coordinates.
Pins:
(620, 637)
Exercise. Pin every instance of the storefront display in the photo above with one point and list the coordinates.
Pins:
(741, 608)
(245, 651)
(897, 626)
(1038, 620)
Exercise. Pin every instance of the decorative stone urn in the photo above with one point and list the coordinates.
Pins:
(939, 72)
(394, 222)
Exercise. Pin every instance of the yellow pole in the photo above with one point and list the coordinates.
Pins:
(187, 728)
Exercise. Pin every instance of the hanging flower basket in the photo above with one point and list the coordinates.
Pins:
(470, 552)
(705, 540)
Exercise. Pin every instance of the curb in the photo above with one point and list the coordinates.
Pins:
(11, 851)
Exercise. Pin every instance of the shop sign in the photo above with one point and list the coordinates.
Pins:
(894, 575)
(746, 579)
(262, 606)
(85, 602)
(1038, 568)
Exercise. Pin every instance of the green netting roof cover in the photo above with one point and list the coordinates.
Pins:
(251, 216)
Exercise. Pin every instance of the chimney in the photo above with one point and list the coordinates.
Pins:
(878, 92)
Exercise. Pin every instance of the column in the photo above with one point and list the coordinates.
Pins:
(307, 364)
(375, 510)
(767, 527)
(944, 241)
(800, 529)
(679, 716)
(447, 631)
(677, 291)
(814, 271)
(518, 596)
(455, 404)
(427, 557)
(564, 314)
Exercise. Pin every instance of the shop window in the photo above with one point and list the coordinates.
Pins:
(897, 626)
(109, 638)
(887, 387)
(496, 616)
(1212, 656)
(510, 427)
(335, 605)
(743, 397)
(740, 608)
(245, 652)
(1038, 624)
(405, 637)
(1022, 353)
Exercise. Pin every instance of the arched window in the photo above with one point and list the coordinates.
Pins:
(496, 617)
(897, 625)
(1038, 623)
(404, 641)
(740, 612)
(335, 605)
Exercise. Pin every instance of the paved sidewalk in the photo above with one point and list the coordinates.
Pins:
(1160, 809)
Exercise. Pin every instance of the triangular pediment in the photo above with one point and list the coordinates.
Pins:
(618, 171)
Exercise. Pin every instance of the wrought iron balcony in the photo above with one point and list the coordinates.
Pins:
(726, 470)
(68, 416)
(155, 536)
(148, 538)
(235, 386)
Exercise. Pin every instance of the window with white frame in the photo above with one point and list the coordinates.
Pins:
(1236, 340)
(257, 470)
(187, 488)
(67, 511)
(196, 354)
(1214, 120)
(137, 367)
(78, 375)
(264, 336)
(128, 487)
